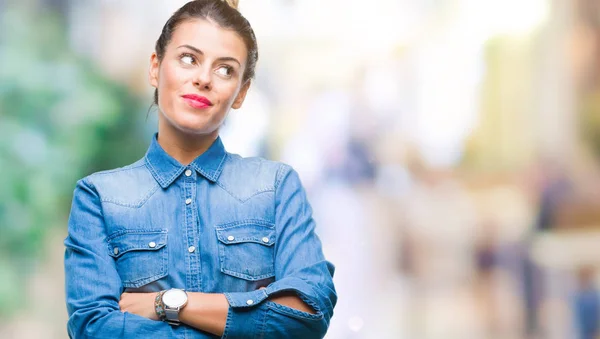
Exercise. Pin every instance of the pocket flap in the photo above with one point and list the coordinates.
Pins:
(264, 235)
(121, 243)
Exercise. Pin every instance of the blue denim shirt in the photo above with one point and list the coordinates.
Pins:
(223, 224)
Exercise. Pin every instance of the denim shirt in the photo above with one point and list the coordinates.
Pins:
(222, 224)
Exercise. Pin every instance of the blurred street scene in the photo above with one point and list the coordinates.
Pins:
(450, 149)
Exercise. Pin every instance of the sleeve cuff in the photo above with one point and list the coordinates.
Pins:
(304, 290)
(252, 298)
(245, 317)
(247, 310)
(246, 299)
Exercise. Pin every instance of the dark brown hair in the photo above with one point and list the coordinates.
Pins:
(225, 14)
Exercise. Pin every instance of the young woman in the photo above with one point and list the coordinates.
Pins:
(191, 241)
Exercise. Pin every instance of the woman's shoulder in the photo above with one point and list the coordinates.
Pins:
(252, 172)
(131, 167)
(115, 173)
(125, 180)
(257, 164)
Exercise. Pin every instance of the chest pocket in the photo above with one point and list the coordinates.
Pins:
(140, 256)
(246, 250)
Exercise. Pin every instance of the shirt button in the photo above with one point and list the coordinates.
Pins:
(265, 239)
(249, 301)
(230, 238)
(188, 173)
(191, 249)
(188, 201)
(116, 250)
(152, 244)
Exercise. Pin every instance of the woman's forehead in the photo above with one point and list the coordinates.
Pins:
(210, 38)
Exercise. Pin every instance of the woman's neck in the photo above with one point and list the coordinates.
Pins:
(184, 147)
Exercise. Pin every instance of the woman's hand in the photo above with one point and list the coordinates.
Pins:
(141, 304)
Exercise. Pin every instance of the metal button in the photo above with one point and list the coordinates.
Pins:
(116, 250)
(191, 249)
(230, 238)
(265, 239)
(188, 201)
(152, 244)
(188, 173)
(250, 302)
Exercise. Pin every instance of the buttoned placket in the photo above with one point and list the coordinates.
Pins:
(190, 178)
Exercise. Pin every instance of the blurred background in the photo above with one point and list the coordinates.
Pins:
(449, 147)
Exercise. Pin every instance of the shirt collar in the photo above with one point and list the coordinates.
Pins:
(166, 169)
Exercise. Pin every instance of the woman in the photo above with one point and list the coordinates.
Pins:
(192, 241)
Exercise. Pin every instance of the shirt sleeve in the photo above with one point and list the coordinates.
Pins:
(300, 267)
(92, 283)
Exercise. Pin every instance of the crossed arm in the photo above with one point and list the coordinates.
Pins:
(204, 311)
(299, 303)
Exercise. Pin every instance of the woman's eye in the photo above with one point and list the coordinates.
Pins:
(225, 71)
(187, 59)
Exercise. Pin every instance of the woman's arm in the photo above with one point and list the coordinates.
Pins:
(300, 270)
(92, 284)
(298, 304)
(208, 311)
(204, 311)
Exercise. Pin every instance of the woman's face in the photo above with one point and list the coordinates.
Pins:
(200, 77)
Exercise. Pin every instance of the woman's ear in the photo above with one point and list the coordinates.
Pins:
(153, 71)
(239, 100)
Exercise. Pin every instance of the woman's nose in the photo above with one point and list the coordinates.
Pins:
(203, 79)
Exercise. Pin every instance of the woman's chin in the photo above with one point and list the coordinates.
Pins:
(193, 124)
(196, 128)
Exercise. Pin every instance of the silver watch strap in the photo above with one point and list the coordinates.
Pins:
(172, 316)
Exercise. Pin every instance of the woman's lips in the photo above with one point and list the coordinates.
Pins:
(196, 101)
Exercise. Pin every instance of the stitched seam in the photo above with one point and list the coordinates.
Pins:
(279, 176)
(264, 324)
(143, 281)
(154, 172)
(121, 169)
(136, 231)
(278, 179)
(218, 170)
(294, 312)
(131, 248)
(160, 251)
(245, 222)
(245, 240)
(246, 276)
(138, 204)
(205, 174)
(264, 190)
(223, 186)
(175, 175)
(306, 298)
(222, 247)
(93, 187)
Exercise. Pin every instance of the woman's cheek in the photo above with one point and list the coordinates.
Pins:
(174, 74)
(229, 91)
(181, 76)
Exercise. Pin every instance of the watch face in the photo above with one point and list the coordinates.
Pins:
(174, 298)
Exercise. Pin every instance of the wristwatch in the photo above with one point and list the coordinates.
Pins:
(174, 300)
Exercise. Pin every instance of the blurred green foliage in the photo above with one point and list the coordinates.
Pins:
(60, 119)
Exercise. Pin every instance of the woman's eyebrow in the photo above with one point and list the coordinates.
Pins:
(198, 51)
